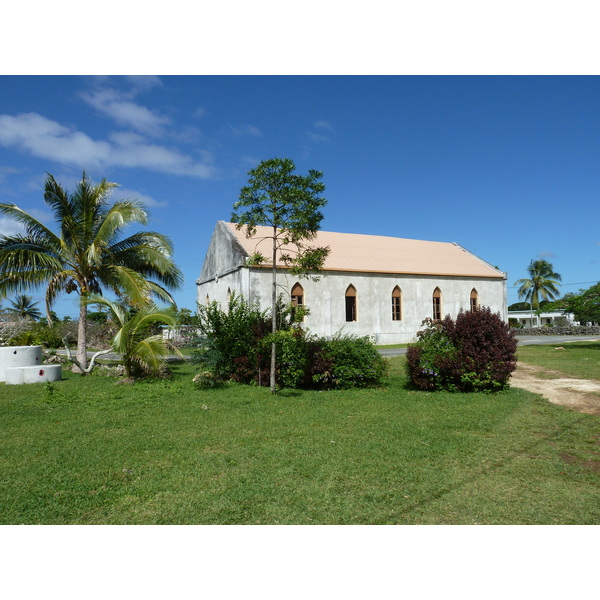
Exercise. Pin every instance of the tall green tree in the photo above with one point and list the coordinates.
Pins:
(88, 253)
(584, 305)
(24, 307)
(290, 205)
(541, 284)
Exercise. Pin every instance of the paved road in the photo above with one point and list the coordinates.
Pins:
(555, 340)
(524, 340)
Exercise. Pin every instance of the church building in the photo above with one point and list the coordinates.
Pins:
(381, 287)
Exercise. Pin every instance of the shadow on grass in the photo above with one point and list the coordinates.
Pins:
(289, 393)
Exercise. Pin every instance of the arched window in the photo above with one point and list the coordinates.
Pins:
(396, 304)
(207, 299)
(474, 300)
(351, 303)
(297, 297)
(437, 304)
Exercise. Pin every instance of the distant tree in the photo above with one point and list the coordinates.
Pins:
(24, 307)
(519, 306)
(289, 204)
(585, 306)
(186, 318)
(88, 253)
(541, 284)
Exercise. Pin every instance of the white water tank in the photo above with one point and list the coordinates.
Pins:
(36, 374)
(19, 356)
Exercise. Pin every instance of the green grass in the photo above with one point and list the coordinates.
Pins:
(88, 451)
(392, 346)
(579, 359)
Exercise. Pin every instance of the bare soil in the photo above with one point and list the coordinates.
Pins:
(582, 395)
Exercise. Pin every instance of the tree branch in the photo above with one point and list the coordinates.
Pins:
(74, 360)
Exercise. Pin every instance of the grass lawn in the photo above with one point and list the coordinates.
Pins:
(89, 451)
(579, 359)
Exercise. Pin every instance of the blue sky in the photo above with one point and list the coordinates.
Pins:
(506, 166)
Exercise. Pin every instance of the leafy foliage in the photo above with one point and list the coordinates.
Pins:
(541, 285)
(347, 362)
(230, 335)
(290, 205)
(89, 253)
(143, 353)
(24, 307)
(585, 305)
(477, 352)
(236, 346)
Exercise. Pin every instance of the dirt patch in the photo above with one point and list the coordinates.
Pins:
(590, 465)
(582, 395)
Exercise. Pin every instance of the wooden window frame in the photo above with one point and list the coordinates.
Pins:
(437, 304)
(474, 299)
(397, 304)
(351, 304)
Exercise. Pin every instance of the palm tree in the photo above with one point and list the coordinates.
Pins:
(88, 253)
(23, 306)
(142, 354)
(541, 285)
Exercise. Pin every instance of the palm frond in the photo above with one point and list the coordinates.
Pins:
(33, 228)
(150, 354)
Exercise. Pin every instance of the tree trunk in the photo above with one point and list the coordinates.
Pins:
(274, 315)
(82, 335)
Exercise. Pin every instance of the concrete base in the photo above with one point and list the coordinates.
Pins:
(35, 374)
(19, 356)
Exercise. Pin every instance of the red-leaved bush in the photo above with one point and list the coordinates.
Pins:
(477, 352)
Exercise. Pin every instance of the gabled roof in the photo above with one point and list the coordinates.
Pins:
(379, 254)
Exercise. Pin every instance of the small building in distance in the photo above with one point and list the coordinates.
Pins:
(381, 287)
(529, 318)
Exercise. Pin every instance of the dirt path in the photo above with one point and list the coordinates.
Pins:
(579, 394)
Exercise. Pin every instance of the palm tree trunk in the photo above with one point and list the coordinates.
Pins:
(82, 335)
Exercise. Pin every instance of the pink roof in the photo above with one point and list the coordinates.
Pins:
(379, 254)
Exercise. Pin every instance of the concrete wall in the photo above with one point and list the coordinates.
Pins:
(326, 299)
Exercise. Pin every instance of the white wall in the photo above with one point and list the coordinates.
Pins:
(326, 299)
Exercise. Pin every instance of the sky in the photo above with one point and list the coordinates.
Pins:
(505, 166)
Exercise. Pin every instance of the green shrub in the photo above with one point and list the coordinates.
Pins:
(477, 352)
(39, 334)
(230, 335)
(292, 357)
(348, 362)
(236, 345)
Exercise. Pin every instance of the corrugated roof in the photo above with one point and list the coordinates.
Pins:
(379, 254)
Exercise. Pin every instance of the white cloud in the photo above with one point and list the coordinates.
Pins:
(321, 131)
(547, 254)
(4, 171)
(323, 125)
(124, 193)
(245, 130)
(119, 107)
(317, 137)
(144, 82)
(10, 227)
(50, 140)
